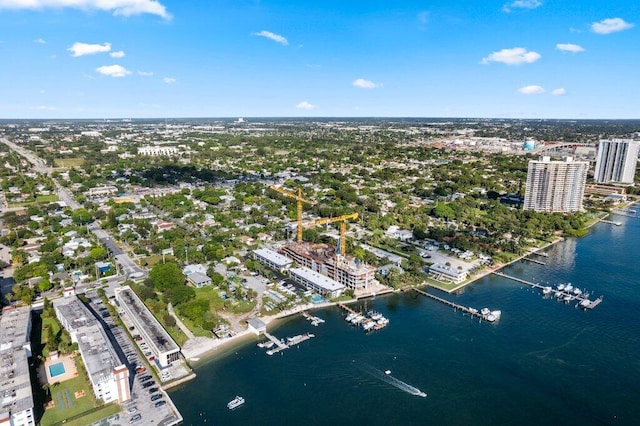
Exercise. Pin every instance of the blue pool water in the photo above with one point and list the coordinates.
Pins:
(56, 370)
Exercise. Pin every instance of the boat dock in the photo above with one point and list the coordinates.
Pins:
(540, 253)
(611, 222)
(567, 296)
(315, 321)
(539, 262)
(291, 341)
(471, 311)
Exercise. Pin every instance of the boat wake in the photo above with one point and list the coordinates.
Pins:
(388, 378)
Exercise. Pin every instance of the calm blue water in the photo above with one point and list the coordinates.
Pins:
(543, 363)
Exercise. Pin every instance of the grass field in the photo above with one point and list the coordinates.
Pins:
(66, 404)
(69, 162)
(48, 322)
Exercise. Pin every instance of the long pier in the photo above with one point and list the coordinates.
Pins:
(470, 311)
(539, 262)
(583, 299)
(611, 222)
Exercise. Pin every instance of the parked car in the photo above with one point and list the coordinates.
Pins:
(153, 390)
(132, 410)
(156, 397)
(135, 418)
(160, 403)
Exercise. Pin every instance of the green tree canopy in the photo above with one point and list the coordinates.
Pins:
(166, 275)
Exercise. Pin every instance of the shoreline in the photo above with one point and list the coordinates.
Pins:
(211, 348)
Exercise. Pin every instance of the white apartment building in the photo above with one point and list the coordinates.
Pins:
(16, 396)
(158, 151)
(616, 161)
(109, 377)
(555, 186)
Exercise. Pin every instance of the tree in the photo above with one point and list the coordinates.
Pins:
(81, 216)
(168, 320)
(166, 275)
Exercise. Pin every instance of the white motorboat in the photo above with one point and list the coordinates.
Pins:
(235, 402)
(546, 290)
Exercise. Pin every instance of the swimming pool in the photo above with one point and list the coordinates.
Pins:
(56, 370)
(316, 298)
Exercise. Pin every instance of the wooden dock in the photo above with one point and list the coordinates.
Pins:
(473, 312)
(583, 299)
(539, 262)
(611, 222)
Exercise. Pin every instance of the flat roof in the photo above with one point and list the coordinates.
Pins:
(15, 382)
(98, 354)
(159, 336)
(273, 257)
(318, 279)
(447, 270)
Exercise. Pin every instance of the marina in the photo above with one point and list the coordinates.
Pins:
(566, 293)
(484, 314)
(371, 321)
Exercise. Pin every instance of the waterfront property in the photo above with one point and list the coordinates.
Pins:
(15, 386)
(616, 162)
(163, 347)
(555, 186)
(447, 273)
(317, 282)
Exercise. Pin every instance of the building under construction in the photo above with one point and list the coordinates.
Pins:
(322, 258)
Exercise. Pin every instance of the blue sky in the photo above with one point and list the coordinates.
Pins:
(248, 58)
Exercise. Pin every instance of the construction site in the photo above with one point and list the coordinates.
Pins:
(332, 262)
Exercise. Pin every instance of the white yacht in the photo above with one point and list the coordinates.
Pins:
(235, 402)
(546, 290)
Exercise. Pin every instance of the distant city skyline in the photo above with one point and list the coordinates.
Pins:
(275, 58)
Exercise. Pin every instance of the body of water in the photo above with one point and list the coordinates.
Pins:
(543, 363)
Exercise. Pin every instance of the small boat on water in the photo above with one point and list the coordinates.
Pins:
(387, 372)
(350, 317)
(368, 325)
(546, 290)
(235, 402)
(485, 311)
(560, 287)
(493, 316)
(374, 315)
(568, 287)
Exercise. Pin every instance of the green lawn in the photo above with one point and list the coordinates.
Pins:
(69, 162)
(46, 198)
(66, 405)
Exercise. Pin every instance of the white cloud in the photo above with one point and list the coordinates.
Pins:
(44, 108)
(559, 92)
(365, 84)
(118, 54)
(82, 49)
(610, 25)
(40, 41)
(515, 56)
(521, 4)
(531, 90)
(117, 7)
(169, 80)
(145, 73)
(568, 47)
(305, 105)
(113, 70)
(272, 36)
(423, 17)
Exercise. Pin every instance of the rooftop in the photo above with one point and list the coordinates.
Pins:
(273, 257)
(15, 382)
(317, 279)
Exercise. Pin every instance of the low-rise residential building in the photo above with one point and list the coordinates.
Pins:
(164, 348)
(317, 282)
(158, 151)
(109, 377)
(447, 273)
(16, 396)
(272, 259)
(198, 279)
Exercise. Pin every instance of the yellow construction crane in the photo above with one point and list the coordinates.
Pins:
(343, 227)
(299, 199)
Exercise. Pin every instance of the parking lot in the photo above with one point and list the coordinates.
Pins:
(149, 403)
